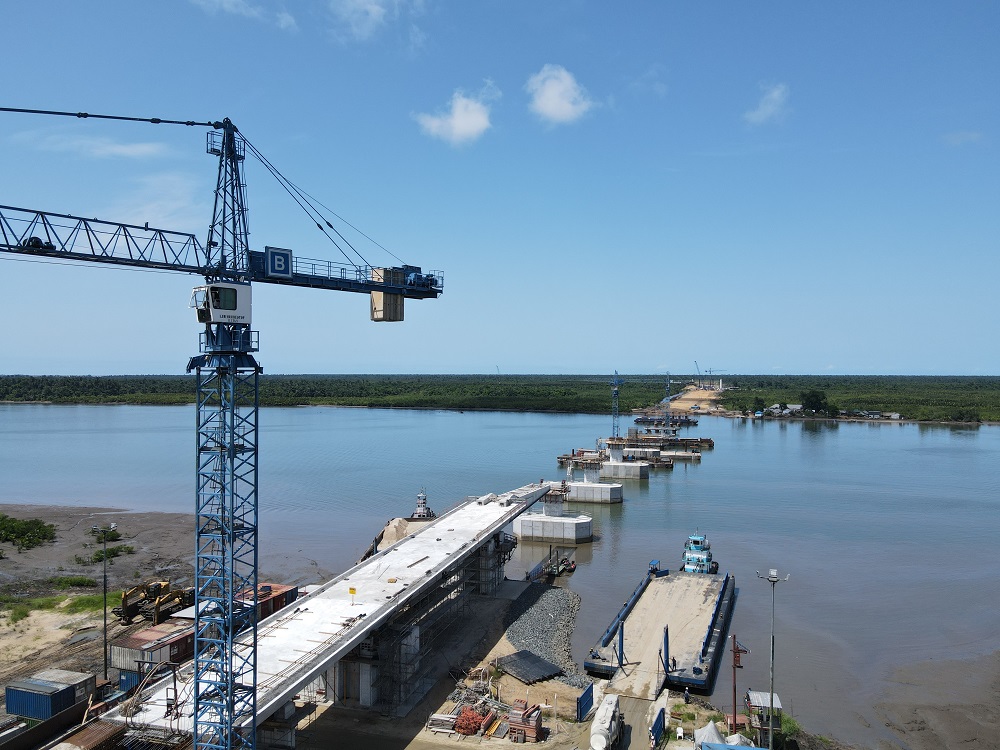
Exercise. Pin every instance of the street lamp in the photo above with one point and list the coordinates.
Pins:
(772, 578)
(104, 539)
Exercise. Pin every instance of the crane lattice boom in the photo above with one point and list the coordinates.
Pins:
(25, 231)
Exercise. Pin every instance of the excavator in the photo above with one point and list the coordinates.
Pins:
(133, 599)
(168, 603)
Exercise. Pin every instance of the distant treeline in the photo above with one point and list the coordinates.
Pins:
(928, 398)
(935, 398)
(554, 393)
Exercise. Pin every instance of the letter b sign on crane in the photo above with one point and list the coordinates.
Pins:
(278, 262)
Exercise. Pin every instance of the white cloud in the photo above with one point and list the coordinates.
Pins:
(962, 137)
(282, 19)
(363, 18)
(97, 148)
(651, 81)
(772, 106)
(167, 200)
(236, 7)
(418, 38)
(466, 119)
(556, 97)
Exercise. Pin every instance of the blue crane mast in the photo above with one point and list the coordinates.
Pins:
(227, 396)
(616, 382)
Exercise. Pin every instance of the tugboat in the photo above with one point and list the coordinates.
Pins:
(697, 557)
(423, 511)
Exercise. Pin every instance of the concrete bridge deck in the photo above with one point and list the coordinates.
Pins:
(294, 647)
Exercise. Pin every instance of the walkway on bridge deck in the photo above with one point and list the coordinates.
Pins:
(294, 647)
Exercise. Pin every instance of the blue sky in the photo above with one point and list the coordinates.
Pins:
(764, 188)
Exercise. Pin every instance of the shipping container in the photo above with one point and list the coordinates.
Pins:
(127, 679)
(272, 597)
(84, 684)
(38, 699)
(169, 642)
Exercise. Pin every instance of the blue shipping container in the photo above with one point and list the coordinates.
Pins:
(128, 679)
(38, 699)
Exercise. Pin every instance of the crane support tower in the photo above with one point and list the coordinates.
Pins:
(227, 394)
(616, 382)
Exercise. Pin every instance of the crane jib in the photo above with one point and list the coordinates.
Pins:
(29, 232)
(279, 266)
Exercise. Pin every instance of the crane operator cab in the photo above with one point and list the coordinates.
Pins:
(222, 302)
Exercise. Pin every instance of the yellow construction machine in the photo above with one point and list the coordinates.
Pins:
(166, 604)
(133, 599)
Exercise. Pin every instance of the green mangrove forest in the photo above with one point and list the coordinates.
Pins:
(931, 398)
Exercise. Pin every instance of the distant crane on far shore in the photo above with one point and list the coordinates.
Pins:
(712, 371)
(616, 382)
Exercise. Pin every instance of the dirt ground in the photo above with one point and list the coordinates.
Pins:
(164, 550)
(707, 401)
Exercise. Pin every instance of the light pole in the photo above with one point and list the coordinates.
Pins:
(104, 539)
(772, 578)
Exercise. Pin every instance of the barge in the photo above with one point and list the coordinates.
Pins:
(670, 632)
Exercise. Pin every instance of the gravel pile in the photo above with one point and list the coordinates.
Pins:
(541, 621)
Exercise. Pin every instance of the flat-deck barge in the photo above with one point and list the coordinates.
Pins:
(671, 631)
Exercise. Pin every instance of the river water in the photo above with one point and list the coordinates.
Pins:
(889, 531)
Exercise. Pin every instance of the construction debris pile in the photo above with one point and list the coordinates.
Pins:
(470, 721)
(476, 713)
(525, 722)
(482, 720)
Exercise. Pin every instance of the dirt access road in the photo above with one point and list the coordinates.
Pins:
(706, 401)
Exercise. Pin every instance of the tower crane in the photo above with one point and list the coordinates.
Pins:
(713, 371)
(616, 382)
(227, 390)
(668, 390)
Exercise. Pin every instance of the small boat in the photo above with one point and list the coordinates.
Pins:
(565, 565)
(697, 557)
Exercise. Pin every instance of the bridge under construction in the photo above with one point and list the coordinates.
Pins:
(361, 638)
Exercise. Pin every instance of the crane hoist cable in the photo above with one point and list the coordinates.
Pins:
(311, 206)
(308, 208)
(345, 221)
